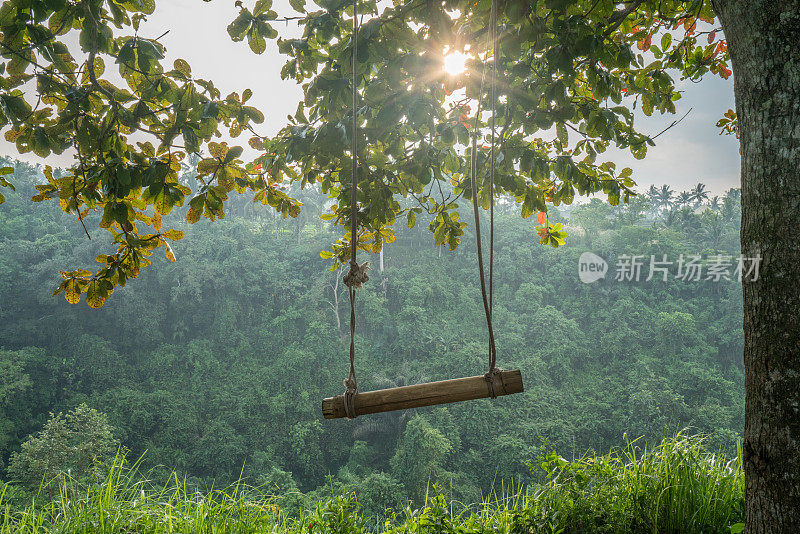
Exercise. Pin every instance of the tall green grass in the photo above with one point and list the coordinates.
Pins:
(675, 487)
(125, 502)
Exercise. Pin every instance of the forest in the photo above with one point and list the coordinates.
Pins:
(214, 366)
(181, 258)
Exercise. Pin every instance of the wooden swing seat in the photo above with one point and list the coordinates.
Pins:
(429, 394)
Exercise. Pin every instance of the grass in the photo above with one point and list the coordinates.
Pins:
(673, 488)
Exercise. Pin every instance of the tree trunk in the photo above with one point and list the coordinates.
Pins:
(335, 302)
(762, 39)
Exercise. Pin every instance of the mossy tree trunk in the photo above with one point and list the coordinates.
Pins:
(763, 39)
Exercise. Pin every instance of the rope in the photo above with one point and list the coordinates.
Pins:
(493, 34)
(350, 382)
(487, 296)
(357, 274)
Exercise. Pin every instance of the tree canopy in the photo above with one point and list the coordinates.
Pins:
(569, 75)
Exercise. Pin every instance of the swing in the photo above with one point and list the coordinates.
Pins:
(495, 382)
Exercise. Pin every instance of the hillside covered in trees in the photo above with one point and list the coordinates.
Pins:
(218, 362)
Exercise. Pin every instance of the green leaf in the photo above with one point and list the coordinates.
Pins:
(254, 114)
(238, 28)
(190, 139)
(126, 54)
(148, 48)
(262, 6)
(210, 110)
(183, 67)
(233, 153)
(561, 131)
(257, 43)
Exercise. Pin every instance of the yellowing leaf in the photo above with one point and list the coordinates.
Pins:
(60, 288)
(71, 292)
(218, 150)
(168, 252)
(174, 234)
(94, 297)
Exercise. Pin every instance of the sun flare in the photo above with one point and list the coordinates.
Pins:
(455, 63)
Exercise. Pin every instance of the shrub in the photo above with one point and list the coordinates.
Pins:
(75, 445)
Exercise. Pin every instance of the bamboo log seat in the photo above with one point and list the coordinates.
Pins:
(428, 394)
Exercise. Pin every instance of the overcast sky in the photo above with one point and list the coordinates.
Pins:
(689, 153)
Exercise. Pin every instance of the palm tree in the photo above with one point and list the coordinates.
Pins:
(732, 205)
(652, 198)
(714, 204)
(665, 196)
(735, 194)
(684, 199)
(698, 194)
(713, 229)
(670, 217)
(687, 219)
(634, 210)
(652, 194)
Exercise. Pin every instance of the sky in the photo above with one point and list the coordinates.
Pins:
(690, 152)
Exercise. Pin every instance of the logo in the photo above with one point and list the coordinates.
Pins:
(591, 267)
(688, 268)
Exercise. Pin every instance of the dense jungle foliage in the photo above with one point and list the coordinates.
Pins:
(215, 365)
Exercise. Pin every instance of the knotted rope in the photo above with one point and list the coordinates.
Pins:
(358, 273)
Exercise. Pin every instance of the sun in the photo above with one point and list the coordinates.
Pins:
(455, 63)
